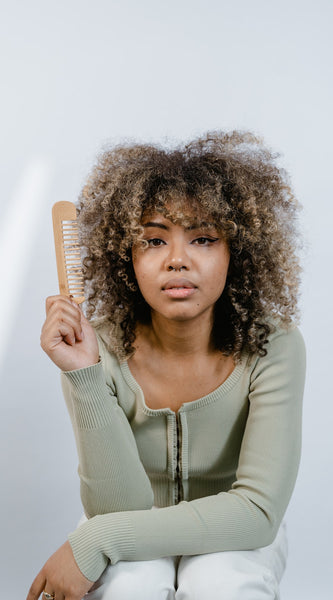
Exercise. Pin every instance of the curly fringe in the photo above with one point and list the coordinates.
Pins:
(231, 179)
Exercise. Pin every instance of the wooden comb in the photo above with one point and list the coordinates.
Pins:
(68, 256)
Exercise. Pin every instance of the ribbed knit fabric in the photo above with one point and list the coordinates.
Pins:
(222, 469)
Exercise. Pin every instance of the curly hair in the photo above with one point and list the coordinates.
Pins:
(232, 179)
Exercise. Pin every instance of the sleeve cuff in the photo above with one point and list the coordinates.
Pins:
(114, 535)
(91, 397)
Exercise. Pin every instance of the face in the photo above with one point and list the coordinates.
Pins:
(182, 272)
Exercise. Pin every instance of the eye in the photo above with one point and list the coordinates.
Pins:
(155, 242)
(204, 241)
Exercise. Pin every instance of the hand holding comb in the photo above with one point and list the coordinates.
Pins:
(68, 256)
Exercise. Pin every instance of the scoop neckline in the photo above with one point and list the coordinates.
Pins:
(222, 389)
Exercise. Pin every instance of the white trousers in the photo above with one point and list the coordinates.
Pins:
(237, 575)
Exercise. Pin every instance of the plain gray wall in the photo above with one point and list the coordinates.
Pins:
(77, 74)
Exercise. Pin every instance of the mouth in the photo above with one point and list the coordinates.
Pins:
(179, 288)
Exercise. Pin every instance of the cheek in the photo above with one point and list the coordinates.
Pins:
(220, 266)
(143, 278)
(217, 275)
(141, 274)
(144, 267)
(138, 267)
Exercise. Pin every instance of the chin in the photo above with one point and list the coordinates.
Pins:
(181, 315)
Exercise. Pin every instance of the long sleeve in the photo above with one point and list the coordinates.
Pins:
(97, 420)
(245, 517)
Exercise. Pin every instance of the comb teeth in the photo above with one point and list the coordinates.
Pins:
(66, 238)
(72, 257)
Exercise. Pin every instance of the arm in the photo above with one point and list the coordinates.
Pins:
(72, 344)
(97, 419)
(247, 516)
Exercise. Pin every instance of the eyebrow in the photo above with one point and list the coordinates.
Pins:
(152, 224)
(166, 228)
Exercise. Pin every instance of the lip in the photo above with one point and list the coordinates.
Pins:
(178, 282)
(179, 288)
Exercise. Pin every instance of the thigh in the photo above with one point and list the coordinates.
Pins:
(238, 575)
(137, 580)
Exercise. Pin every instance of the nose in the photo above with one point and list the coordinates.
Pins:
(176, 268)
(177, 259)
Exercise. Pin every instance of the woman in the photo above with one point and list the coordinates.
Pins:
(185, 387)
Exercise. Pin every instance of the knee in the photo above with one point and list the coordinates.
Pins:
(214, 576)
(141, 580)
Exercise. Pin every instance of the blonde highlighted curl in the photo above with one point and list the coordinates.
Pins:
(235, 182)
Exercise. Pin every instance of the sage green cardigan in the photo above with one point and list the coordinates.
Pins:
(222, 469)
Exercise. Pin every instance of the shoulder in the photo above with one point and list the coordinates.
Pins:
(286, 340)
(104, 330)
(289, 336)
(285, 358)
(107, 345)
(112, 363)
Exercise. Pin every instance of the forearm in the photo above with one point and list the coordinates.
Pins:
(213, 524)
(111, 473)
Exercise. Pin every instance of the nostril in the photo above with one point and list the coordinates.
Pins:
(171, 268)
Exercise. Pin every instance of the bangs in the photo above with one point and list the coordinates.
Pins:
(189, 212)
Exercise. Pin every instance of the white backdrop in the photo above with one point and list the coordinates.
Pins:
(77, 74)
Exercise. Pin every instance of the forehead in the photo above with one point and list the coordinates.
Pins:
(158, 221)
(179, 211)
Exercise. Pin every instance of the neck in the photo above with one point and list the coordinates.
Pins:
(183, 338)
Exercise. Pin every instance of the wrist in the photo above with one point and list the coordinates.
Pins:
(81, 365)
(89, 396)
